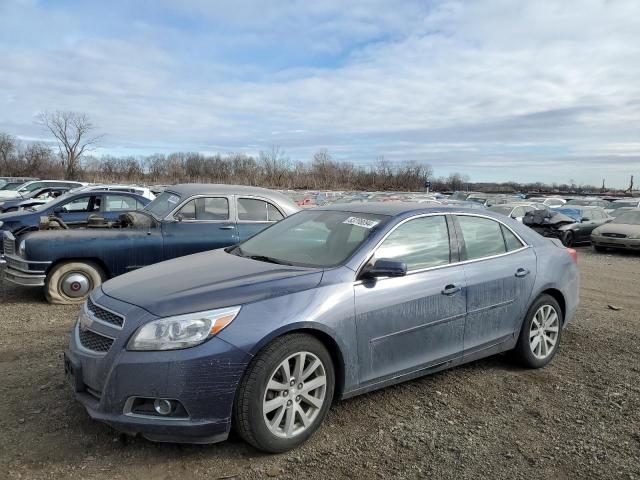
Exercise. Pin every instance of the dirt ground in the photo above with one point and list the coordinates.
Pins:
(577, 418)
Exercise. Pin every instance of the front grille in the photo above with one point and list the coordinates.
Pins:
(94, 341)
(9, 243)
(16, 264)
(104, 315)
(614, 235)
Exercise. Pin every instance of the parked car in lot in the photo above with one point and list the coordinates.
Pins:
(572, 225)
(184, 219)
(621, 233)
(588, 202)
(143, 191)
(73, 210)
(32, 199)
(329, 303)
(35, 185)
(517, 211)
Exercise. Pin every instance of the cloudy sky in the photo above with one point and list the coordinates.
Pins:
(498, 89)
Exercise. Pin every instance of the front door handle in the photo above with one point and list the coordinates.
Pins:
(451, 290)
(227, 227)
(522, 272)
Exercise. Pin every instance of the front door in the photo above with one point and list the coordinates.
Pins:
(76, 212)
(203, 223)
(416, 321)
(500, 273)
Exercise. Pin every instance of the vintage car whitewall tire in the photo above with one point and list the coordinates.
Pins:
(71, 282)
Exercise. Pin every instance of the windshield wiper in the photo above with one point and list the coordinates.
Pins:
(263, 258)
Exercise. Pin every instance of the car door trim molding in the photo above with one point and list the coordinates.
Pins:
(373, 250)
(418, 327)
(491, 307)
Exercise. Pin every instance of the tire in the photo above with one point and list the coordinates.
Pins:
(568, 239)
(64, 277)
(253, 400)
(527, 351)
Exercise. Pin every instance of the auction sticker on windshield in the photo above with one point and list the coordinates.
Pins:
(361, 222)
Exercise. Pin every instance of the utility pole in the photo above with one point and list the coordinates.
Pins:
(602, 191)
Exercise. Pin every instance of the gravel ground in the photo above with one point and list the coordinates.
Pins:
(577, 418)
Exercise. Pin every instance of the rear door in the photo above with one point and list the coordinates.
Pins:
(500, 271)
(200, 224)
(254, 215)
(416, 321)
(114, 204)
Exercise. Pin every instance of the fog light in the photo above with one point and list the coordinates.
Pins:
(162, 406)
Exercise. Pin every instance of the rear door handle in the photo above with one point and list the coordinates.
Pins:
(450, 290)
(522, 272)
(227, 227)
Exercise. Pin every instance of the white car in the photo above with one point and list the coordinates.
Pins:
(551, 202)
(36, 185)
(143, 191)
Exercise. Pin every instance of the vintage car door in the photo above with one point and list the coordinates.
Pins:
(201, 223)
(415, 321)
(500, 273)
(255, 214)
(77, 210)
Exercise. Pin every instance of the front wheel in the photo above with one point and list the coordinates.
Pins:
(568, 239)
(71, 282)
(540, 334)
(285, 393)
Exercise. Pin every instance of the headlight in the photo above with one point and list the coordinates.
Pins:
(22, 249)
(1, 223)
(182, 331)
(634, 236)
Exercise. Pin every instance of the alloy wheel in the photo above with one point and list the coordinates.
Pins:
(543, 334)
(294, 395)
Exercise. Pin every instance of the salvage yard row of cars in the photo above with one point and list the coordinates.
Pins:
(220, 306)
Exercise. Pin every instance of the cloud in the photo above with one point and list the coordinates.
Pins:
(495, 88)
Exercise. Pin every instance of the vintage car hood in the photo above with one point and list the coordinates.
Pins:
(206, 281)
(622, 228)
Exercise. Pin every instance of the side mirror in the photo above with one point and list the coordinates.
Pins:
(385, 268)
(58, 210)
(179, 217)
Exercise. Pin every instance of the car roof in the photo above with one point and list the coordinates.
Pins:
(399, 208)
(206, 188)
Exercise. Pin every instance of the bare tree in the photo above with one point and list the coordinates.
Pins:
(7, 149)
(74, 133)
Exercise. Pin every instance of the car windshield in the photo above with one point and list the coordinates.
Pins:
(501, 209)
(162, 205)
(629, 218)
(313, 238)
(12, 185)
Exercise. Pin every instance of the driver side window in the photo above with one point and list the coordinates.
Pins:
(420, 243)
(79, 205)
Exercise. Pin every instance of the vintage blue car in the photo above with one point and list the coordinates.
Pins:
(74, 210)
(184, 219)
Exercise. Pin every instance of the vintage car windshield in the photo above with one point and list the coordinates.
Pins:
(314, 238)
(629, 218)
(162, 205)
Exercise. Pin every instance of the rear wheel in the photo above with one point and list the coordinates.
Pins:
(285, 394)
(71, 282)
(540, 334)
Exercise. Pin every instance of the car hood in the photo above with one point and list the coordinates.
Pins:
(4, 194)
(207, 280)
(623, 228)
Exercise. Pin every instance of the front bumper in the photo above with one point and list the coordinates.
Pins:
(614, 242)
(202, 378)
(21, 272)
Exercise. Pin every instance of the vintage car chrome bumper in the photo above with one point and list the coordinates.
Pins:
(21, 272)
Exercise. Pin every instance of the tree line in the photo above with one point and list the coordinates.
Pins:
(75, 137)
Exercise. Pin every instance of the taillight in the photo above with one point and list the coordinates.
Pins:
(574, 254)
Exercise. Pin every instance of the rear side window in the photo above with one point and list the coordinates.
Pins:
(253, 210)
(420, 243)
(510, 240)
(205, 209)
(482, 237)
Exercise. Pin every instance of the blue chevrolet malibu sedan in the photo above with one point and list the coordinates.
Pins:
(326, 304)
